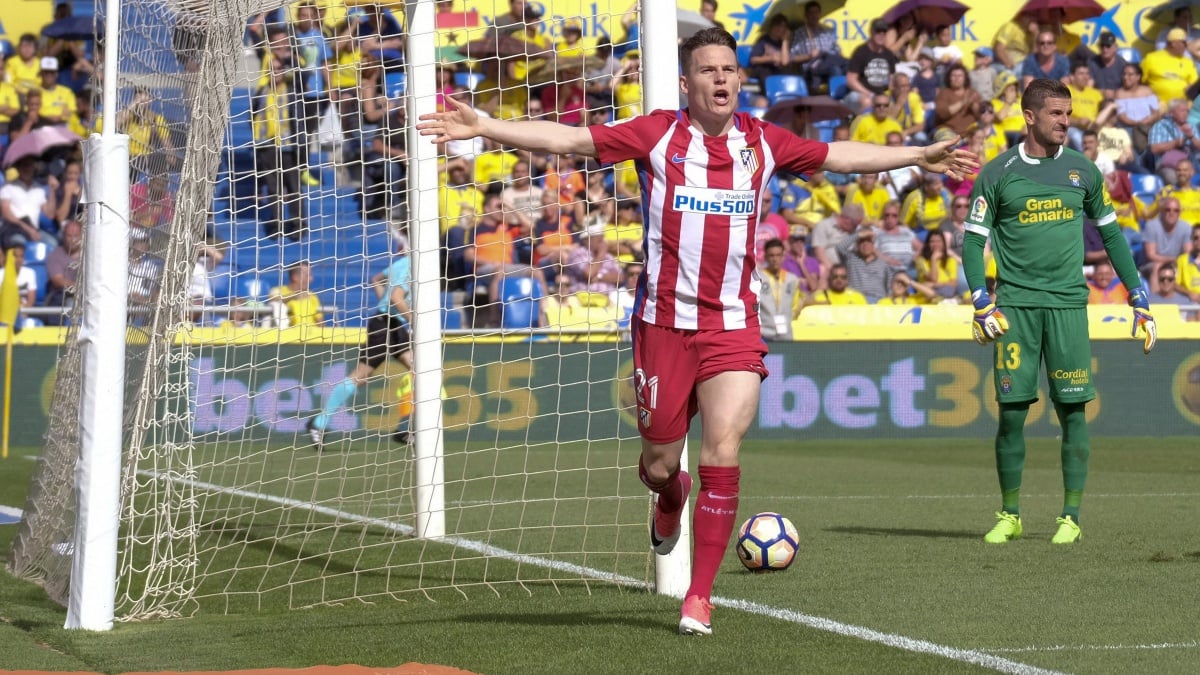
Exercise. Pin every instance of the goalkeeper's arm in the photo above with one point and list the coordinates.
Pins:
(1139, 298)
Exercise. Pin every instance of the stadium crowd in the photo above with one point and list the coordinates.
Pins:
(532, 240)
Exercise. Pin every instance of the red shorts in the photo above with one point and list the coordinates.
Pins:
(668, 363)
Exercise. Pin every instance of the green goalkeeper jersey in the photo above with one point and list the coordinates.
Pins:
(1033, 210)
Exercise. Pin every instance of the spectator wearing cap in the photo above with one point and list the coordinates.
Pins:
(1045, 61)
(1007, 104)
(1014, 41)
(925, 79)
(815, 50)
(26, 279)
(1181, 19)
(870, 69)
(23, 68)
(983, 76)
(797, 260)
(874, 126)
(27, 208)
(1106, 66)
(868, 273)
(58, 101)
(572, 33)
(1170, 71)
(779, 297)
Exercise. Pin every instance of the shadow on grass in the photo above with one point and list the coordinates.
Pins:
(905, 532)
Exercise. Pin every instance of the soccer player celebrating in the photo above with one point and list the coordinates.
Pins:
(1032, 200)
(696, 340)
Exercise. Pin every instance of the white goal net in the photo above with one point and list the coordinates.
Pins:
(274, 183)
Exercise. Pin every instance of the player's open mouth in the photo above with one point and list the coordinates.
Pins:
(721, 97)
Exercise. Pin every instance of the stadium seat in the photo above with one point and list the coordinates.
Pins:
(780, 87)
(1146, 186)
(469, 80)
(825, 129)
(252, 287)
(394, 82)
(520, 299)
(221, 280)
(1130, 54)
(743, 55)
(754, 111)
(837, 87)
(6, 48)
(36, 252)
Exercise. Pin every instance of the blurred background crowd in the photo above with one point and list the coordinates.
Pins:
(546, 241)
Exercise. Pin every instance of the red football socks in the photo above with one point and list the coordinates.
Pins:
(712, 524)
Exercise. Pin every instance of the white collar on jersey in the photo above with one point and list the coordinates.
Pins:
(1036, 160)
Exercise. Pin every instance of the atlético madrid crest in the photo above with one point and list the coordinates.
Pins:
(749, 159)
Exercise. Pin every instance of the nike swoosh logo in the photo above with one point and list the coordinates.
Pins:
(712, 495)
(677, 159)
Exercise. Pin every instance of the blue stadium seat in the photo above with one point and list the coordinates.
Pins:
(6, 49)
(394, 83)
(743, 55)
(221, 279)
(469, 80)
(1146, 186)
(752, 110)
(1130, 54)
(36, 252)
(520, 299)
(43, 278)
(252, 287)
(837, 87)
(779, 87)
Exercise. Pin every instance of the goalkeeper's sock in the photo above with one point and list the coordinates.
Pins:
(670, 491)
(341, 392)
(712, 524)
(1010, 454)
(1076, 450)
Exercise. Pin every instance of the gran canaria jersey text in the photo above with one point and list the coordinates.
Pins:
(1045, 211)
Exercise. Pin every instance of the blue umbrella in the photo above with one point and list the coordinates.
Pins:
(71, 28)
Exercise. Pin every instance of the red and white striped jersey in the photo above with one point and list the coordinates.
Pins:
(700, 202)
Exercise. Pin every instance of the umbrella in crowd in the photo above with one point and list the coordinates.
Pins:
(493, 44)
(928, 14)
(794, 10)
(560, 67)
(1065, 11)
(37, 142)
(1165, 12)
(819, 109)
(689, 23)
(71, 28)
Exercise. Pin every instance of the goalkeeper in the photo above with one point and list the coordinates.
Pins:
(1032, 200)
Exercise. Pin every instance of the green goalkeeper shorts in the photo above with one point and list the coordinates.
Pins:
(1057, 336)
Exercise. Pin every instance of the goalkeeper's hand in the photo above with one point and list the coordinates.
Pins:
(1142, 319)
(990, 323)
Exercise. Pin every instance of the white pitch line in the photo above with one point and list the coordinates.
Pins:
(1094, 648)
(11, 511)
(978, 658)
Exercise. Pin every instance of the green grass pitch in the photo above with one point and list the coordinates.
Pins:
(892, 575)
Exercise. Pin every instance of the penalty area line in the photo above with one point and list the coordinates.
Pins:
(978, 658)
(1092, 648)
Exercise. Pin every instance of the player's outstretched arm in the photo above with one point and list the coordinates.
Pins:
(460, 122)
(944, 157)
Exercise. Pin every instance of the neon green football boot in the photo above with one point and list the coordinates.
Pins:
(1008, 526)
(1068, 531)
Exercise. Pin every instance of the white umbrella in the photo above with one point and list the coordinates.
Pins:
(690, 23)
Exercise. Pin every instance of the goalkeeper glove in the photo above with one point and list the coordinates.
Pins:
(990, 323)
(1142, 319)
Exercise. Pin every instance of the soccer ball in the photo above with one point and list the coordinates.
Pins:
(767, 542)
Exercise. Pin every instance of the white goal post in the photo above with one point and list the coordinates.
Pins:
(176, 474)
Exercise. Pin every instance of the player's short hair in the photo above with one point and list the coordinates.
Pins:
(1041, 89)
(708, 36)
